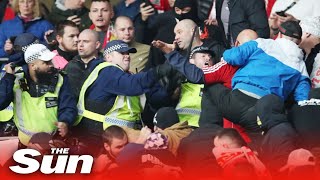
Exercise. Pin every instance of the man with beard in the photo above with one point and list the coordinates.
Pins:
(67, 38)
(42, 100)
(114, 140)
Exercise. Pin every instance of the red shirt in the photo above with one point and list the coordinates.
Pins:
(221, 72)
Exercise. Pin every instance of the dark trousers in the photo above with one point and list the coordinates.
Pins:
(235, 106)
(306, 120)
(89, 133)
(278, 138)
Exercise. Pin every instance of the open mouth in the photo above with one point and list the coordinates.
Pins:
(99, 20)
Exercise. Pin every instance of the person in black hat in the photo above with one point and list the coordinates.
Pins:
(291, 30)
(165, 117)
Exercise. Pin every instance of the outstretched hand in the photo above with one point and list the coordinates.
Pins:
(164, 47)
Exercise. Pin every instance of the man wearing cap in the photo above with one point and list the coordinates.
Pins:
(21, 43)
(111, 95)
(42, 98)
(303, 116)
(301, 164)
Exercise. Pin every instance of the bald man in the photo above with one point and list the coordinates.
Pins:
(124, 30)
(81, 66)
(183, 34)
(221, 73)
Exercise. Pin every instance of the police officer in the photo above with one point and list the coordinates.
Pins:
(113, 96)
(41, 97)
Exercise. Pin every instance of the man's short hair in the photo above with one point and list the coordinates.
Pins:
(113, 132)
(232, 134)
(291, 29)
(59, 28)
(100, 1)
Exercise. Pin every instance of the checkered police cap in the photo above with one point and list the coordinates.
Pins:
(119, 46)
(38, 51)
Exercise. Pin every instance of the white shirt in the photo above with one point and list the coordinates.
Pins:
(315, 74)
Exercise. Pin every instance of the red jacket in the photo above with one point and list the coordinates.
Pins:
(223, 72)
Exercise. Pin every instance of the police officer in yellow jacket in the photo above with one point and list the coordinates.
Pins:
(189, 106)
(42, 101)
(113, 96)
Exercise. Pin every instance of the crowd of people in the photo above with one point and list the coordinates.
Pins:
(199, 89)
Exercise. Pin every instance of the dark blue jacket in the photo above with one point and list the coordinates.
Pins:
(67, 104)
(182, 64)
(16, 26)
(112, 82)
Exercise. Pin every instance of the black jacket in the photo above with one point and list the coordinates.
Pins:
(244, 14)
(311, 57)
(204, 8)
(78, 72)
(161, 29)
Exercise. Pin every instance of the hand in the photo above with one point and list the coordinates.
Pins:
(144, 134)
(8, 46)
(274, 21)
(146, 11)
(164, 47)
(75, 19)
(211, 22)
(285, 19)
(9, 69)
(62, 128)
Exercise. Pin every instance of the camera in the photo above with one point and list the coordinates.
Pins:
(52, 37)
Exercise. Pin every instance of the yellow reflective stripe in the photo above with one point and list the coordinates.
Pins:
(18, 104)
(93, 116)
(92, 77)
(188, 111)
(81, 107)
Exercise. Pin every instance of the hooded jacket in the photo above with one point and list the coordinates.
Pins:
(270, 67)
